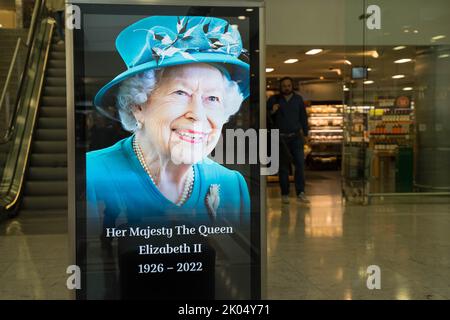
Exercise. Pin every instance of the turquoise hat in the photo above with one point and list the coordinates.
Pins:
(163, 41)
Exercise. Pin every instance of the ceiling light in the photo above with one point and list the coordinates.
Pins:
(346, 89)
(291, 60)
(445, 55)
(368, 82)
(347, 62)
(1, 26)
(313, 51)
(398, 76)
(369, 69)
(407, 89)
(439, 37)
(406, 30)
(269, 69)
(241, 17)
(321, 78)
(375, 54)
(249, 10)
(399, 48)
(416, 31)
(402, 60)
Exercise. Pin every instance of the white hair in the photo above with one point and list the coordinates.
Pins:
(136, 90)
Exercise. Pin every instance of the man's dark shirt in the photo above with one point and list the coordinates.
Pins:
(291, 116)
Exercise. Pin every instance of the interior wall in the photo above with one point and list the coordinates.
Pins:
(337, 22)
(302, 22)
(8, 18)
(321, 91)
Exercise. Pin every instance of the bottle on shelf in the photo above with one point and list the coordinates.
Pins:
(395, 129)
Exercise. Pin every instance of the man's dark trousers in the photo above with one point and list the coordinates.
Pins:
(293, 144)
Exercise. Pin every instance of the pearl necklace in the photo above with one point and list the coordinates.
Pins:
(188, 185)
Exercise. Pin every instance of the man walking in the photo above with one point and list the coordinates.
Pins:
(288, 114)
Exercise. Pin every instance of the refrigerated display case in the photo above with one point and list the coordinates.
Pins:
(325, 132)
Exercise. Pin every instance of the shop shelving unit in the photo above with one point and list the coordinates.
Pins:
(391, 136)
(325, 131)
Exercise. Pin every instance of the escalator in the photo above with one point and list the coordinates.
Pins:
(46, 180)
(33, 145)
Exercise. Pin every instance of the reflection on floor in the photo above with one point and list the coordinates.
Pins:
(34, 258)
(316, 251)
(322, 250)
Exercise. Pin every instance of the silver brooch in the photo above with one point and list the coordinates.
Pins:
(213, 199)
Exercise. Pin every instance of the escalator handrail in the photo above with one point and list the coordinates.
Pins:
(37, 9)
(10, 71)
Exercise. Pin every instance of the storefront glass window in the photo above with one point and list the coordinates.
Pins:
(397, 101)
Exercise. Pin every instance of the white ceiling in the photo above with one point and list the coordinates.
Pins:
(311, 68)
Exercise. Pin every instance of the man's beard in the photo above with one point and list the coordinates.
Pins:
(287, 92)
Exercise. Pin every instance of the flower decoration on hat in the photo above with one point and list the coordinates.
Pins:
(208, 36)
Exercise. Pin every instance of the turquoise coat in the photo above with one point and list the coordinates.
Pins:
(118, 185)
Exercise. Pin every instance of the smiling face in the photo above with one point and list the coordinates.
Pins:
(184, 115)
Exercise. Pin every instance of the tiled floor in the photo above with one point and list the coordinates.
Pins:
(322, 250)
(34, 258)
(316, 251)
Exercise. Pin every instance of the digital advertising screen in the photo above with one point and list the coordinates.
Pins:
(166, 207)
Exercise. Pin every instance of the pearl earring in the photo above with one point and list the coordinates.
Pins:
(139, 125)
